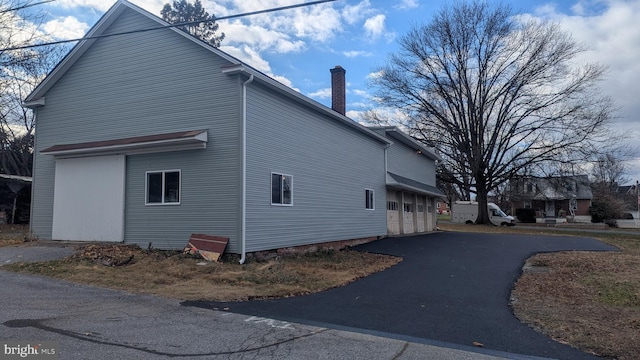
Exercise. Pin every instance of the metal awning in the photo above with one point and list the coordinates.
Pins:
(185, 140)
(401, 182)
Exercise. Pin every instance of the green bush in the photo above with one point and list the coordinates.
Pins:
(603, 212)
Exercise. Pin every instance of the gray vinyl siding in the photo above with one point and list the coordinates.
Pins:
(331, 166)
(143, 84)
(405, 161)
(203, 208)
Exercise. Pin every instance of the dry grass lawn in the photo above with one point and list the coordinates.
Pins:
(590, 300)
(188, 277)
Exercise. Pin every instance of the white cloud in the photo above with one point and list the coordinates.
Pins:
(321, 94)
(374, 75)
(363, 93)
(153, 6)
(612, 37)
(355, 13)
(356, 53)
(66, 28)
(259, 38)
(374, 26)
(407, 4)
(100, 5)
(317, 22)
(609, 28)
(248, 55)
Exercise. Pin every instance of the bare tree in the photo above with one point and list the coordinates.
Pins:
(20, 71)
(496, 93)
(609, 171)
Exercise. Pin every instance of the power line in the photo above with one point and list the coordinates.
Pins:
(166, 26)
(25, 6)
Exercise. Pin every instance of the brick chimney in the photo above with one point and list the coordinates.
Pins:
(338, 90)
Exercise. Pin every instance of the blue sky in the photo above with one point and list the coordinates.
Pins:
(299, 46)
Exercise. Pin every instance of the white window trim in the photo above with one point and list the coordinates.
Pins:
(373, 199)
(146, 187)
(281, 192)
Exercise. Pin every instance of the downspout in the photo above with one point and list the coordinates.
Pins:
(386, 190)
(243, 200)
(386, 147)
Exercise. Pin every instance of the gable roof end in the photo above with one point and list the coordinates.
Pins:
(36, 98)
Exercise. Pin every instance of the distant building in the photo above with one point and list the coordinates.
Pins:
(551, 197)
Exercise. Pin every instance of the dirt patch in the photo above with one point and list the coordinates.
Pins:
(188, 277)
(13, 234)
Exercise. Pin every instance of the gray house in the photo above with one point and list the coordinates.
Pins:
(148, 137)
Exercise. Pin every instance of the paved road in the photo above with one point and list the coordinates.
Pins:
(94, 323)
(451, 287)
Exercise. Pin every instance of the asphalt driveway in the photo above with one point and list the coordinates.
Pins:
(451, 287)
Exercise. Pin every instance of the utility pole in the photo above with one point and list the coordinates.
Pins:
(637, 203)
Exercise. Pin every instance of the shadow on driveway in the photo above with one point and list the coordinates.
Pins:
(451, 287)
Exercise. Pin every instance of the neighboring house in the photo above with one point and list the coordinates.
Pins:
(442, 207)
(555, 196)
(148, 137)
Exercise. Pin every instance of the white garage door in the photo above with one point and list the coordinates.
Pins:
(88, 199)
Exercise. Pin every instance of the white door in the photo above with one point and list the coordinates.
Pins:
(88, 199)
(430, 214)
(393, 214)
(420, 218)
(407, 215)
(550, 208)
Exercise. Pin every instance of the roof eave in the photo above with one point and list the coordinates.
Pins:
(297, 96)
(399, 135)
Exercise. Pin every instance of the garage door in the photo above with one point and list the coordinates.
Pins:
(393, 214)
(420, 215)
(88, 199)
(408, 214)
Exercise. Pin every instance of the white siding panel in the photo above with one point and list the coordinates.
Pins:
(89, 199)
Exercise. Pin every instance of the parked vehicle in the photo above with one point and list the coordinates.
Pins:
(466, 212)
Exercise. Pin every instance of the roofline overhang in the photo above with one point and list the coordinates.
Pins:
(399, 135)
(397, 185)
(191, 140)
(399, 182)
(300, 98)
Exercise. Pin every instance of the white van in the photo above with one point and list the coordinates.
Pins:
(466, 212)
